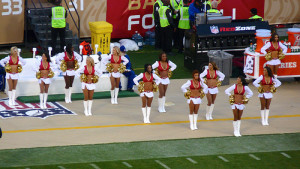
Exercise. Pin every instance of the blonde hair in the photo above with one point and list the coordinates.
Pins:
(91, 60)
(12, 49)
(117, 50)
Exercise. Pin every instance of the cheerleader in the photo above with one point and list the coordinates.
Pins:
(115, 60)
(13, 66)
(266, 84)
(197, 89)
(146, 89)
(275, 48)
(212, 73)
(44, 69)
(238, 101)
(163, 70)
(68, 62)
(90, 76)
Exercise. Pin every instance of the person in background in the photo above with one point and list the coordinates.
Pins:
(129, 73)
(253, 13)
(156, 18)
(12, 75)
(175, 6)
(167, 25)
(184, 23)
(58, 17)
(213, 9)
(194, 8)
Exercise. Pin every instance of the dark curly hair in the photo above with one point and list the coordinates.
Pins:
(194, 72)
(146, 66)
(47, 56)
(243, 80)
(270, 74)
(160, 56)
(273, 37)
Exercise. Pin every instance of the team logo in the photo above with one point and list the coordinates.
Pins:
(214, 29)
(32, 110)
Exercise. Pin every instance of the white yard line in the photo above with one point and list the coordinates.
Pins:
(253, 156)
(223, 158)
(94, 166)
(162, 164)
(286, 155)
(61, 167)
(191, 160)
(127, 164)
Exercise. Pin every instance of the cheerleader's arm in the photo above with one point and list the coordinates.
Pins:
(98, 71)
(221, 75)
(202, 75)
(277, 82)
(137, 78)
(78, 57)
(185, 86)
(283, 47)
(155, 65)
(124, 59)
(249, 92)
(228, 90)
(4, 61)
(265, 47)
(257, 81)
(157, 79)
(23, 62)
(173, 66)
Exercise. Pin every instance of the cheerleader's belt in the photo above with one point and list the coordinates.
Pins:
(239, 103)
(212, 87)
(149, 91)
(195, 97)
(164, 77)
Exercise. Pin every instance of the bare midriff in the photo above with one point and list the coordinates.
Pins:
(70, 64)
(148, 86)
(115, 66)
(211, 83)
(274, 54)
(195, 93)
(44, 73)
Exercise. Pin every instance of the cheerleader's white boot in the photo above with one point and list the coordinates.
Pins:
(13, 98)
(70, 94)
(267, 117)
(148, 115)
(207, 112)
(45, 100)
(235, 128)
(211, 111)
(262, 114)
(112, 96)
(90, 103)
(238, 128)
(9, 93)
(159, 100)
(41, 100)
(163, 104)
(85, 105)
(195, 121)
(67, 95)
(144, 111)
(191, 122)
(116, 95)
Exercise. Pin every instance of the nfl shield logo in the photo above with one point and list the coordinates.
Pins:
(214, 29)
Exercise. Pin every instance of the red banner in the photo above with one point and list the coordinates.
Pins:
(128, 16)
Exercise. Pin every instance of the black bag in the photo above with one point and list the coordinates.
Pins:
(0, 133)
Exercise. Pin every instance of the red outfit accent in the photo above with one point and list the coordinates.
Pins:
(192, 87)
(87, 72)
(263, 82)
(146, 80)
(208, 75)
(112, 60)
(11, 61)
(160, 68)
(67, 59)
(237, 92)
(272, 48)
(42, 67)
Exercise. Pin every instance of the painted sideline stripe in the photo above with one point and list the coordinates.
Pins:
(162, 164)
(286, 155)
(253, 156)
(141, 124)
(94, 166)
(127, 164)
(223, 158)
(192, 161)
(61, 167)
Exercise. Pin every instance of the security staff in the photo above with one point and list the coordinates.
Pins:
(167, 26)
(155, 16)
(175, 6)
(184, 23)
(194, 8)
(58, 26)
(254, 15)
(208, 5)
(214, 6)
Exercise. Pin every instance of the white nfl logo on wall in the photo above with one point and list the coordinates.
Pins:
(214, 29)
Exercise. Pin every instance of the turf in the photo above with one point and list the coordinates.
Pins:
(142, 153)
(75, 96)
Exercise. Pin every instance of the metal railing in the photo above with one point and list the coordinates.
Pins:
(78, 18)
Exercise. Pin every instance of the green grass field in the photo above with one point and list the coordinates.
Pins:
(256, 151)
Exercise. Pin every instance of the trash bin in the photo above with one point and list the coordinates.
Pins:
(100, 34)
(223, 61)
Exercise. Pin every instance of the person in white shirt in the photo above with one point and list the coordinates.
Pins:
(147, 94)
(115, 59)
(240, 90)
(69, 57)
(213, 75)
(195, 86)
(266, 82)
(164, 67)
(13, 66)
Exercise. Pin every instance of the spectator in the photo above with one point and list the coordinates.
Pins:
(129, 73)
(184, 24)
(155, 16)
(254, 15)
(194, 8)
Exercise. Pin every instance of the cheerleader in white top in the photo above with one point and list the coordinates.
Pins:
(69, 63)
(266, 85)
(115, 68)
(213, 79)
(238, 99)
(164, 70)
(146, 88)
(276, 51)
(13, 66)
(194, 90)
(89, 77)
(44, 73)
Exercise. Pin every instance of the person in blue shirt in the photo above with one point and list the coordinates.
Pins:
(129, 73)
(194, 8)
